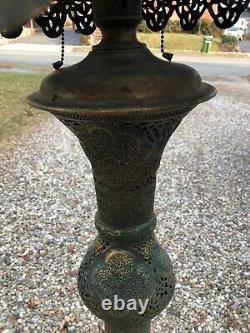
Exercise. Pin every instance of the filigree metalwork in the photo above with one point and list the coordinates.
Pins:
(227, 12)
(224, 12)
(107, 270)
(125, 258)
(80, 12)
(156, 13)
(125, 156)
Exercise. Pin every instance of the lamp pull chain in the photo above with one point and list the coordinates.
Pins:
(166, 55)
(58, 64)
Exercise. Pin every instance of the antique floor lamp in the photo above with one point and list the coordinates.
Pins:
(123, 104)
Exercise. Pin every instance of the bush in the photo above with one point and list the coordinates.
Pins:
(204, 27)
(85, 40)
(229, 44)
(229, 39)
(216, 32)
(143, 27)
(207, 27)
(172, 26)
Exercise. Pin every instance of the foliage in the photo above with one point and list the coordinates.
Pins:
(172, 26)
(85, 40)
(229, 39)
(208, 28)
(204, 27)
(216, 32)
(229, 44)
(143, 27)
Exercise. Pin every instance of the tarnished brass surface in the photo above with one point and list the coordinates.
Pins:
(123, 104)
(121, 75)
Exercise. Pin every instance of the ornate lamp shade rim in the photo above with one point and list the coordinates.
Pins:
(225, 13)
(122, 108)
(156, 13)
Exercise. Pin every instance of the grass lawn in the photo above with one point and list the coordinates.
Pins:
(15, 114)
(177, 41)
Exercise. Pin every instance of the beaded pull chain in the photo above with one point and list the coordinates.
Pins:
(166, 55)
(58, 64)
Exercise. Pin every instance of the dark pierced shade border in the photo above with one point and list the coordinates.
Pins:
(225, 13)
(156, 13)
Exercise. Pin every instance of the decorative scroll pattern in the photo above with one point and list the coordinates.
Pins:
(156, 13)
(224, 12)
(143, 270)
(125, 156)
(79, 11)
(227, 12)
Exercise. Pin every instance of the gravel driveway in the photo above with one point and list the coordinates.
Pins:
(47, 206)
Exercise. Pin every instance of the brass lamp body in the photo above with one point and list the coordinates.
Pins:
(123, 104)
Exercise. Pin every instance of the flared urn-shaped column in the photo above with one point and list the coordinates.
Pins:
(126, 259)
(123, 104)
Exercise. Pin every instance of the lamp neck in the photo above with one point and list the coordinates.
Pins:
(117, 19)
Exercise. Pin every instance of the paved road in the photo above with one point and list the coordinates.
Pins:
(71, 38)
(245, 44)
(207, 66)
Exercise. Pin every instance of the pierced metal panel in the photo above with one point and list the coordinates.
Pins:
(157, 13)
(80, 12)
(224, 12)
(227, 12)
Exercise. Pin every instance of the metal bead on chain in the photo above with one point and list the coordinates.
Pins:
(63, 46)
(166, 55)
(57, 65)
(162, 42)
